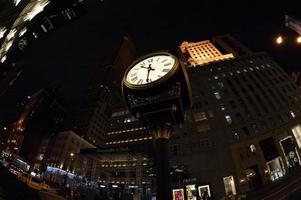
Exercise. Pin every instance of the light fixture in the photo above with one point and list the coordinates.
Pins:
(298, 40)
(279, 39)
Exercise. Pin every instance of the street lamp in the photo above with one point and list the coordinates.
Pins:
(298, 40)
(279, 39)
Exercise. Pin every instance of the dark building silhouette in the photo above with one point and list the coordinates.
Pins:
(42, 115)
(103, 93)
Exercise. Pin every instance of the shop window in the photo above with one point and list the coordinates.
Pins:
(275, 168)
(229, 185)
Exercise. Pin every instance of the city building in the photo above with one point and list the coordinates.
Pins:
(40, 115)
(244, 128)
(58, 154)
(22, 24)
(103, 93)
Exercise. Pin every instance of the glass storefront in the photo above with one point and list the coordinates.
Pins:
(290, 152)
(275, 168)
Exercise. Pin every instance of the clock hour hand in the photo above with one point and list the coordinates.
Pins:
(148, 71)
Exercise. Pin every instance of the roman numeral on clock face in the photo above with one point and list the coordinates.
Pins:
(134, 74)
(166, 70)
(140, 81)
(134, 79)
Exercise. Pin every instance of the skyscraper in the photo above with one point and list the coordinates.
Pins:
(103, 93)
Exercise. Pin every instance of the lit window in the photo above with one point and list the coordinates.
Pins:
(216, 77)
(245, 70)
(251, 68)
(252, 148)
(228, 119)
(217, 95)
(231, 73)
(292, 114)
(238, 71)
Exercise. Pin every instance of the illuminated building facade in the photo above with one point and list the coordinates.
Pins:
(22, 24)
(61, 151)
(244, 128)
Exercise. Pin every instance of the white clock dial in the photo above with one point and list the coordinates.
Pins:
(150, 69)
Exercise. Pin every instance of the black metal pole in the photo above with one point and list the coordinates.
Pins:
(163, 189)
(162, 168)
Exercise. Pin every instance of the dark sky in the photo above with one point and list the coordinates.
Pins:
(68, 56)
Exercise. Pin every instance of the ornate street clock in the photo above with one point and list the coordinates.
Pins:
(156, 89)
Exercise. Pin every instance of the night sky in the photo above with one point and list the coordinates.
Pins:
(68, 56)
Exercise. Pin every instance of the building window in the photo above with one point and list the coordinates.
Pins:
(228, 119)
(292, 114)
(252, 148)
(217, 95)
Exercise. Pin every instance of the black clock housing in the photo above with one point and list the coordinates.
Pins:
(162, 103)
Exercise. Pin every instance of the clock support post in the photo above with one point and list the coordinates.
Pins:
(159, 104)
(161, 134)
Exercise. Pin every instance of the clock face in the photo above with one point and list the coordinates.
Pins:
(150, 69)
